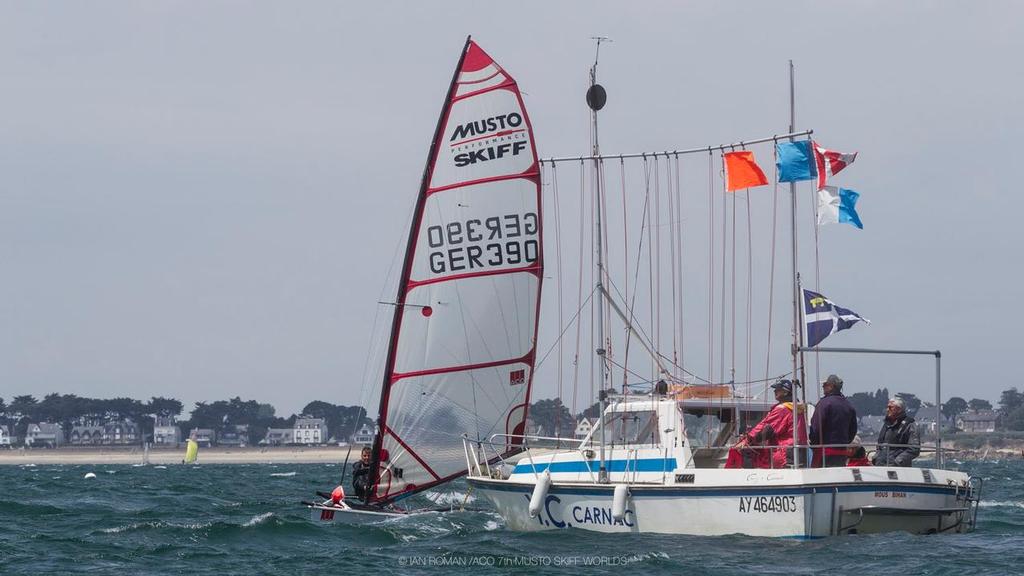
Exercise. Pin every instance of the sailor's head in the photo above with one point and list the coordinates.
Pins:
(365, 455)
(896, 407)
(855, 450)
(783, 390)
(832, 384)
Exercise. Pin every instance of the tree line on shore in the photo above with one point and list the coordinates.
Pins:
(343, 421)
(70, 409)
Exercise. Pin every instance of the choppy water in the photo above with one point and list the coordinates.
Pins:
(245, 519)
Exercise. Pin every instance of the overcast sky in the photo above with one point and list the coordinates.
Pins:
(203, 200)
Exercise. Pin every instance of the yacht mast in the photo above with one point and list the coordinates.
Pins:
(596, 98)
(797, 327)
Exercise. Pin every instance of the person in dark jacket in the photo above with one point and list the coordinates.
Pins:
(361, 474)
(834, 422)
(898, 442)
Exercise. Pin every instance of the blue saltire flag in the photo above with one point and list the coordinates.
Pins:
(796, 161)
(823, 318)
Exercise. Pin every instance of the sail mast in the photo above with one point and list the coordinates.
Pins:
(596, 98)
(396, 321)
(797, 327)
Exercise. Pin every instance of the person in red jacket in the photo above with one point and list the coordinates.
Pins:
(776, 429)
(857, 455)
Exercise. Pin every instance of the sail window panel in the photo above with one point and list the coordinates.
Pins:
(431, 414)
(471, 321)
(485, 136)
(478, 229)
(470, 82)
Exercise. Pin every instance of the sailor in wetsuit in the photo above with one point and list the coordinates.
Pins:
(361, 474)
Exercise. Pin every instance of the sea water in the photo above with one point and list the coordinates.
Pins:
(247, 519)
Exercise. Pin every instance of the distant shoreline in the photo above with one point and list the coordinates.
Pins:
(279, 455)
(215, 455)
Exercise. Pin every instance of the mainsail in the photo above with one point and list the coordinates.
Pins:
(463, 339)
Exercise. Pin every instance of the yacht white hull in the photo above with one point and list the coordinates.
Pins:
(780, 503)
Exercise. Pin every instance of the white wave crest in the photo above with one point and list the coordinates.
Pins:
(259, 519)
(448, 498)
(1001, 504)
(154, 524)
(119, 529)
(283, 474)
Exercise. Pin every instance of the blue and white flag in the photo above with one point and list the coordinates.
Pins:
(823, 318)
(796, 161)
(838, 205)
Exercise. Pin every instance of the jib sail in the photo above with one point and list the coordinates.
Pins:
(463, 338)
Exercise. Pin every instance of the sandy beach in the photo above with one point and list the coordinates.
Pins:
(254, 455)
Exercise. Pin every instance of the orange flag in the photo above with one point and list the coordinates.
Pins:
(742, 172)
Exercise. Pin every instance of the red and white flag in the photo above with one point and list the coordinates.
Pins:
(830, 163)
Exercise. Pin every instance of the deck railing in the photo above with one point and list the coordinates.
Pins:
(482, 455)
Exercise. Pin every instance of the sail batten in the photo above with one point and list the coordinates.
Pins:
(461, 357)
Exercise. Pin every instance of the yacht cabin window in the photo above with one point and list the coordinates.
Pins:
(639, 427)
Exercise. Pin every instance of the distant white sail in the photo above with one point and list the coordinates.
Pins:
(464, 333)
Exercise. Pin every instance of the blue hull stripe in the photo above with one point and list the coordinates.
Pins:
(639, 491)
(642, 465)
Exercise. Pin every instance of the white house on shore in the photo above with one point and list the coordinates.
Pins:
(583, 428)
(5, 437)
(122, 431)
(310, 430)
(204, 437)
(236, 435)
(166, 432)
(363, 436)
(86, 433)
(44, 434)
(278, 437)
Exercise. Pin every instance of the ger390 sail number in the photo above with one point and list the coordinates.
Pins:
(766, 504)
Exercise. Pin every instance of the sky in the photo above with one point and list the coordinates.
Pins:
(205, 200)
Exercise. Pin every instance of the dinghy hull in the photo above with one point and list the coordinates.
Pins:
(329, 513)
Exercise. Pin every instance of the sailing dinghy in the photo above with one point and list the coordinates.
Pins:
(463, 337)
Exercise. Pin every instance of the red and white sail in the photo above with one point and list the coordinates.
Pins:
(463, 341)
